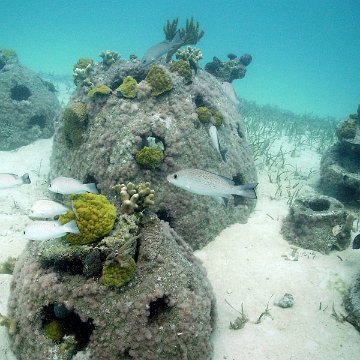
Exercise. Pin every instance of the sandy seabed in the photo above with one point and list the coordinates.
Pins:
(249, 265)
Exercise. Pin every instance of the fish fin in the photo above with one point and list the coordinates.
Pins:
(176, 40)
(91, 187)
(26, 179)
(247, 191)
(71, 227)
(229, 181)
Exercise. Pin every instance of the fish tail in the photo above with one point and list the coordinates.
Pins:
(247, 190)
(26, 179)
(91, 187)
(72, 227)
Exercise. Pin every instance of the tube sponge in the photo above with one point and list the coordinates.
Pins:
(94, 215)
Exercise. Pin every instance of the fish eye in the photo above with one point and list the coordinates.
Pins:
(175, 176)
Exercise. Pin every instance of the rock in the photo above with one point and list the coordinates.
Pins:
(116, 129)
(318, 222)
(286, 301)
(352, 303)
(27, 106)
(166, 311)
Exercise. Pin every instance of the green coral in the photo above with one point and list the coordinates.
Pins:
(54, 330)
(99, 90)
(149, 157)
(81, 71)
(134, 198)
(118, 271)
(183, 68)
(204, 114)
(347, 129)
(218, 118)
(109, 57)
(7, 267)
(7, 54)
(74, 124)
(159, 80)
(94, 215)
(128, 88)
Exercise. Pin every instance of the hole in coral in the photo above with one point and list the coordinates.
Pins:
(72, 266)
(39, 120)
(199, 100)
(153, 141)
(239, 180)
(239, 131)
(163, 214)
(58, 321)
(20, 92)
(319, 204)
(157, 307)
(115, 84)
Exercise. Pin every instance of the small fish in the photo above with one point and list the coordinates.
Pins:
(45, 230)
(11, 180)
(45, 209)
(159, 50)
(203, 182)
(66, 185)
(215, 141)
(356, 242)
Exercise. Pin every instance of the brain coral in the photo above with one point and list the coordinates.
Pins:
(118, 127)
(95, 217)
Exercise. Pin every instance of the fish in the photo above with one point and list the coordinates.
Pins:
(215, 141)
(66, 185)
(12, 180)
(356, 242)
(45, 209)
(159, 50)
(203, 182)
(45, 230)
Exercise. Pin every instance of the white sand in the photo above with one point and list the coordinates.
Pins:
(245, 266)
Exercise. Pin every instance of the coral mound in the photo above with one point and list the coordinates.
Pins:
(164, 311)
(145, 138)
(28, 104)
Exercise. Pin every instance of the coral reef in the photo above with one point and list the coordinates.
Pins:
(149, 157)
(109, 57)
(134, 198)
(230, 70)
(82, 70)
(151, 304)
(74, 118)
(94, 215)
(183, 68)
(204, 114)
(128, 88)
(340, 165)
(189, 54)
(118, 127)
(27, 104)
(318, 222)
(99, 90)
(159, 80)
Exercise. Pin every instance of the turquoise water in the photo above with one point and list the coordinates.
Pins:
(305, 53)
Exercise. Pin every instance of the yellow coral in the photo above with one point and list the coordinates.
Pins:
(94, 215)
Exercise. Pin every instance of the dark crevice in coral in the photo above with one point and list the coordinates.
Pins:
(20, 92)
(199, 100)
(157, 307)
(115, 84)
(239, 180)
(149, 140)
(2, 64)
(137, 251)
(319, 205)
(72, 267)
(90, 179)
(239, 131)
(69, 324)
(163, 214)
(39, 120)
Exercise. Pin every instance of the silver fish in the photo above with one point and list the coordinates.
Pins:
(203, 182)
(159, 50)
(215, 141)
(45, 230)
(66, 185)
(45, 209)
(11, 180)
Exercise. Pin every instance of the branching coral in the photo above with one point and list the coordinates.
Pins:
(190, 54)
(82, 70)
(109, 57)
(134, 198)
(95, 217)
(159, 80)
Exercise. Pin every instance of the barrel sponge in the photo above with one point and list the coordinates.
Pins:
(128, 88)
(94, 215)
(159, 80)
